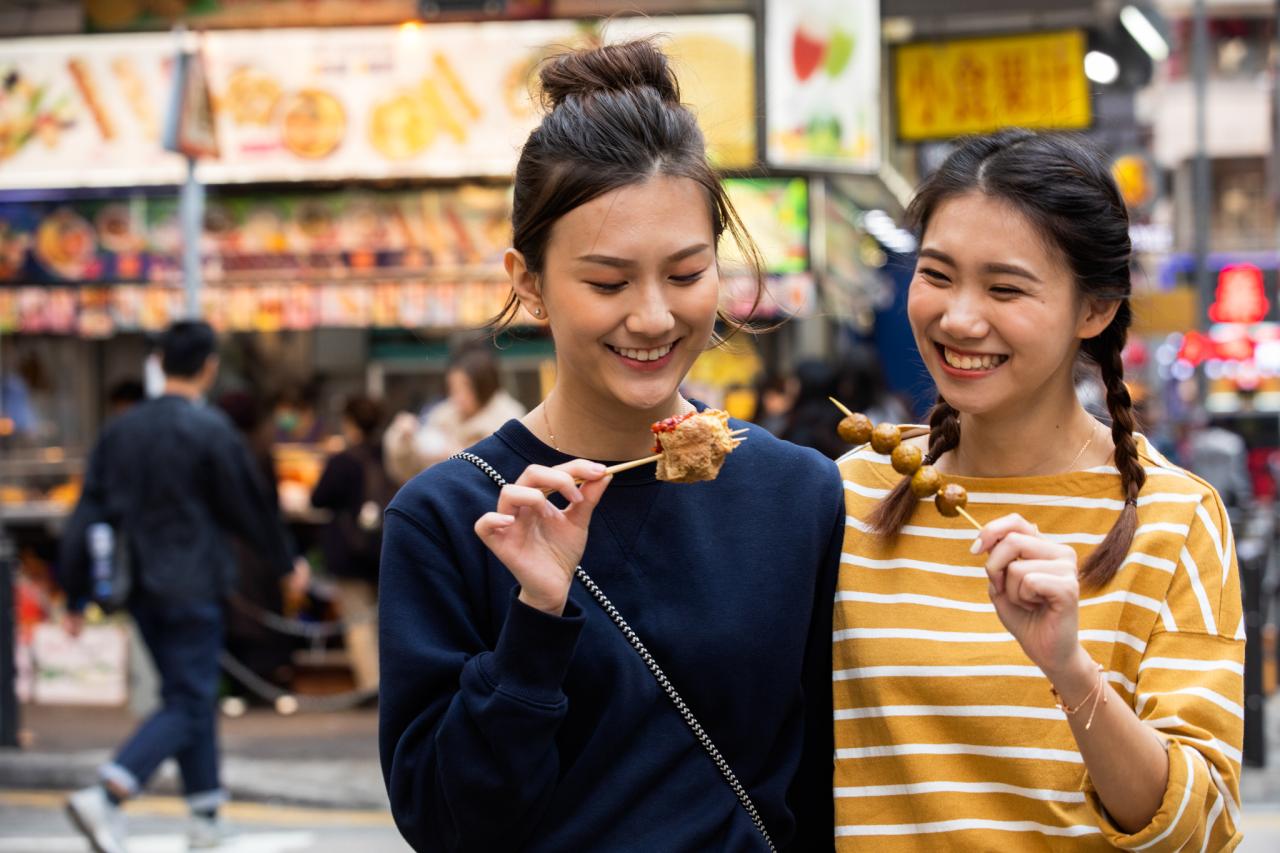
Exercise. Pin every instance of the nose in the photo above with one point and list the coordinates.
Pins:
(963, 317)
(650, 316)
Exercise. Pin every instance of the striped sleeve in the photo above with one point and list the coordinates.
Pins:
(1190, 689)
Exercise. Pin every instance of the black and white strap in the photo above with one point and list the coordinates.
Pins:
(665, 683)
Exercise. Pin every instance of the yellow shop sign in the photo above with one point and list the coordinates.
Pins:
(951, 88)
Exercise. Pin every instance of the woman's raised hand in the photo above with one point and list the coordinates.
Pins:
(539, 543)
(1035, 587)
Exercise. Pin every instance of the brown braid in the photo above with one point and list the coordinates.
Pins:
(944, 434)
(1105, 349)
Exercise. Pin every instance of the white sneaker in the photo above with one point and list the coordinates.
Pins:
(204, 833)
(101, 821)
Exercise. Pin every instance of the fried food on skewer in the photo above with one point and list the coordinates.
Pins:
(908, 460)
(692, 446)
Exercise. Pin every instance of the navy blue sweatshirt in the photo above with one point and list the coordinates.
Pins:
(505, 728)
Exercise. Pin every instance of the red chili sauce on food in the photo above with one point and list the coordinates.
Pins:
(668, 425)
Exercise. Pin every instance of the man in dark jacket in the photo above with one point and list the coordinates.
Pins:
(172, 478)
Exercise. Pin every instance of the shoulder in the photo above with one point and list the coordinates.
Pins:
(1174, 494)
(787, 470)
(865, 467)
(1165, 477)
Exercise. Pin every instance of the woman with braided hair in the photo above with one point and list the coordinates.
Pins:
(1071, 678)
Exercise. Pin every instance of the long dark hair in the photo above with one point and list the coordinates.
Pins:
(613, 118)
(1062, 185)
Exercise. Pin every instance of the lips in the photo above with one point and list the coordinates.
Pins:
(643, 354)
(974, 361)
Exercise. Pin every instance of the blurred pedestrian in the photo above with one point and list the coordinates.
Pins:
(860, 386)
(124, 395)
(775, 395)
(263, 650)
(172, 478)
(1221, 457)
(475, 407)
(813, 419)
(356, 488)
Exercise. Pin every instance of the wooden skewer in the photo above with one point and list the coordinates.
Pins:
(636, 463)
(972, 520)
(906, 432)
(841, 406)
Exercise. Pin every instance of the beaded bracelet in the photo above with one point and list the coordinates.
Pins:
(1098, 691)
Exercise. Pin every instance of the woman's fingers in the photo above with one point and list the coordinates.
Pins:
(1022, 546)
(493, 524)
(562, 478)
(1050, 588)
(1027, 587)
(994, 531)
(592, 491)
(513, 498)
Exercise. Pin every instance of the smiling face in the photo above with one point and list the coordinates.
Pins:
(995, 309)
(630, 288)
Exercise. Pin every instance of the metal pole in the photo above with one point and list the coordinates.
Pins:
(1252, 554)
(8, 672)
(1201, 203)
(192, 214)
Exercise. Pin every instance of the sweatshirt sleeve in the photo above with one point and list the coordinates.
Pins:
(467, 733)
(1190, 690)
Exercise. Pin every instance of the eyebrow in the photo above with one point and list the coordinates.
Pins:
(623, 263)
(1005, 269)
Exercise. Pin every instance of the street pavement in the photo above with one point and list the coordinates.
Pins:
(34, 822)
(323, 760)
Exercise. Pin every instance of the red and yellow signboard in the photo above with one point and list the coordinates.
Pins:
(951, 88)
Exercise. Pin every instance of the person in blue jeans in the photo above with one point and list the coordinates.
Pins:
(174, 479)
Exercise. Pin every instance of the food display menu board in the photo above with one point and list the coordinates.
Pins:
(85, 111)
(414, 101)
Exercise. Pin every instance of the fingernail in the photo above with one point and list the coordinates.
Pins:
(596, 468)
(976, 547)
(575, 497)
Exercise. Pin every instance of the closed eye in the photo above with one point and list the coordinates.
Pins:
(608, 286)
(1006, 291)
(688, 279)
(934, 275)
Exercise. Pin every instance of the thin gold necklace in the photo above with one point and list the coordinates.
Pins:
(1092, 433)
(546, 419)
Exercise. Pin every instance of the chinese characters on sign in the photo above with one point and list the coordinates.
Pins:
(946, 89)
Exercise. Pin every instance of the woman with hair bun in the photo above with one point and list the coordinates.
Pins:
(516, 714)
(1071, 678)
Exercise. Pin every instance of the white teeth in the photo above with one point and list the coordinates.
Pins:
(644, 354)
(972, 362)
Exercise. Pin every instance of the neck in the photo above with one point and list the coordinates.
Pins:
(1046, 439)
(603, 432)
(179, 387)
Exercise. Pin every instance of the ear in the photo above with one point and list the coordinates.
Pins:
(1096, 316)
(524, 282)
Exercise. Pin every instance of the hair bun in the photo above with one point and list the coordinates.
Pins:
(609, 68)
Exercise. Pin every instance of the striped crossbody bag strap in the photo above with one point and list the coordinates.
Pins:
(665, 683)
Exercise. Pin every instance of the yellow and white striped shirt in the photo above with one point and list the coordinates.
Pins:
(946, 735)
